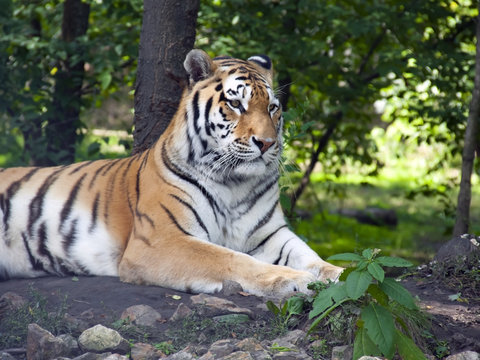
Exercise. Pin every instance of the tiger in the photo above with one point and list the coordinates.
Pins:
(196, 210)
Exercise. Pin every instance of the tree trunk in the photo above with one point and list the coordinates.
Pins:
(168, 33)
(469, 148)
(64, 118)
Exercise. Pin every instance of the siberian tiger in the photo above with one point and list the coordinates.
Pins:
(198, 208)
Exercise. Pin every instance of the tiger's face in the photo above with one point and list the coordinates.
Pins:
(236, 117)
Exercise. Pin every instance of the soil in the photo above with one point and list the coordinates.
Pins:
(102, 299)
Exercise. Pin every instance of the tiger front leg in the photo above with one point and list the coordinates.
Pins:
(283, 247)
(192, 265)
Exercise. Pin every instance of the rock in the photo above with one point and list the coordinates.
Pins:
(142, 315)
(291, 340)
(12, 301)
(182, 312)
(70, 342)
(464, 245)
(238, 355)
(116, 357)
(141, 351)
(466, 355)
(184, 354)
(291, 355)
(230, 287)
(76, 323)
(369, 358)
(250, 345)
(344, 352)
(92, 356)
(41, 344)
(212, 305)
(222, 347)
(100, 339)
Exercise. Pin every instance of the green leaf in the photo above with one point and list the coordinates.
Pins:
(295, 305)
(393, 261)
(357, 283)
(345, 273)
(407, 348)
(380, 327)
(378, 294)
(273, 308)
(363, 345)
(105, 79)
(346, 257)
(322, 302)
(398, 293)
(367, 253)
(376, 271)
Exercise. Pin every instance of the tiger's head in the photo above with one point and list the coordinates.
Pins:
(234, 120)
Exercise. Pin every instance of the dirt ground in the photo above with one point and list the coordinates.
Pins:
(456, 323)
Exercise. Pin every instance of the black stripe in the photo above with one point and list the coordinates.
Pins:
(67, 207)
(196, 112)
(109, 166)
(80, 166)
(36, 265)
(36, 205)
(219, 87)
(140, 169)
(288, 257)
(97, 172)
(208, 107)
(252, 198)
(70, 237)
(12, 189)
(264, 241)
(182, 175)
(42, 243)
(94, 218)
(142, 216)
(197, 217)
(264, 220)
(172, 218)
(281, 253)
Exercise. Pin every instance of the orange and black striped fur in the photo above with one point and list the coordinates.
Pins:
(199, 208)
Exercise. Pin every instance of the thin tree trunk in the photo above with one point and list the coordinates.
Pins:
(469, 148)
(64, 120)
(168, 33)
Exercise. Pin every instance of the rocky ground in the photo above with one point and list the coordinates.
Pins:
(151, 322)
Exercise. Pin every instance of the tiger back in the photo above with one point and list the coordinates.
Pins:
(197, 209)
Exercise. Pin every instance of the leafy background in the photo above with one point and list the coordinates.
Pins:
(378, 89)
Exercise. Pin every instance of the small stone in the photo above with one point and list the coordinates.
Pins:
(212, 305)
(250, 345)
(466, 355)
(291, 355)
(12, 300)
(6, 356)
(230, 287)
(344, 352)
(184, 354)
(100, 338)
(369, 358)
(92, 356)
(116, 357)
(141, 351)
(222, 347)
(70, 342)
(238, 355)
(41, 344)
(291, 340)
(142, 315)
(182, 312)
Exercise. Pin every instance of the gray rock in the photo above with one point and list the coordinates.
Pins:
(292, 340)
(92, 356)
(212, 305)
(12, 300)
(101, 339)
(344, 352)
(142, 315)
(464, 245)
(184, 354)
(466, 355)
(141, 351)
(291, 355)
(369, 358)
(182, 312)
(238, 355)
(250, 345)
(222, 348)
(116, 357)
(230, 287)
(41, 344)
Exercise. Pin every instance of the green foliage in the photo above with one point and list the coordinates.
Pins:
(284, 314)
(385, 305)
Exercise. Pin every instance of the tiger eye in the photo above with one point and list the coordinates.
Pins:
(272, 107)
(235, 103)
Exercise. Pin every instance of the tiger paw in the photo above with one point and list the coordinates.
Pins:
(324, 271)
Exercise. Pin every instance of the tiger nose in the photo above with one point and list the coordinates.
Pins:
(263, 144)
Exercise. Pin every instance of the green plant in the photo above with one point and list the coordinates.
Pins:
(284, 313)
(165, 347)
(384, 324)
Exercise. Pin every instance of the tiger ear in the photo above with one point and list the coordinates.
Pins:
(265, 65)
(199, 65)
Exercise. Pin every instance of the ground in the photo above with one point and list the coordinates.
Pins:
(455, 323)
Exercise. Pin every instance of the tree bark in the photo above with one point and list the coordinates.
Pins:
(168, 33)
(64, 119)
(470, 145)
